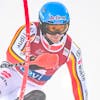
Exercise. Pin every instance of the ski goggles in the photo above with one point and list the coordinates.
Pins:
(56, 28)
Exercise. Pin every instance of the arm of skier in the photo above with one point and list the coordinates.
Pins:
(77, 74)
(16, 49)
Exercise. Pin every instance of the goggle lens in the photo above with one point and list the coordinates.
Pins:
(54, 29)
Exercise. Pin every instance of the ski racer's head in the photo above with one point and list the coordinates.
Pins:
(54, 23)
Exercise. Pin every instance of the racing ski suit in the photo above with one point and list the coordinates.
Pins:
(49, 60)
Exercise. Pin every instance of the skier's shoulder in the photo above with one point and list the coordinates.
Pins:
(71, 45)
(68, 42)
(75, 49)
(34, 24)
(33, 29)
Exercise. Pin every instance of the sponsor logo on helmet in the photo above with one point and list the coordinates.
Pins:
(57, 17)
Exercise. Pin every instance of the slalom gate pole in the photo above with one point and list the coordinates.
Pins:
(27, 52)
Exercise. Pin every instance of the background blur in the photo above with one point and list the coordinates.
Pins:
(84, 30)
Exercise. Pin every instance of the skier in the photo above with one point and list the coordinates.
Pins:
(51, 47)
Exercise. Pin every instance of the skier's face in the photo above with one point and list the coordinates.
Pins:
(56, 32)
(54, 38)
